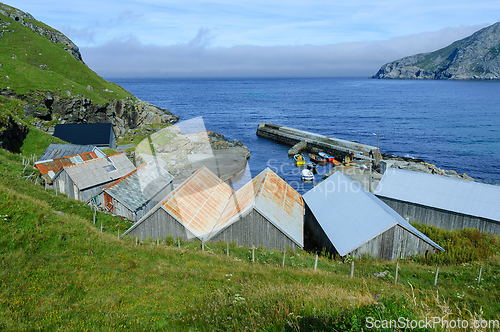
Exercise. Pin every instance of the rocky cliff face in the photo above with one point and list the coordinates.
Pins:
(123, 114)
(474, 57)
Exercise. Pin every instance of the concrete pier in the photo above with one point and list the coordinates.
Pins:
(335, 147)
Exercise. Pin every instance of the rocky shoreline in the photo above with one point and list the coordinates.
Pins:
(419, 165)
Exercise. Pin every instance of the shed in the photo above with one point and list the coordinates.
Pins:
(441, 201)
(85, 180)
(99, 134)
(59, 150)
(346, 220)
(136, 193)
(265, 212)
(49, 168)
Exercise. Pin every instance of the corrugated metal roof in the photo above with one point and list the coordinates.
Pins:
(138, 187)
(49, 168)
(442, 192)
(274, 199)
(351, 216)
(101, 170)
(58, 150)
(199, 201)
(206, 205)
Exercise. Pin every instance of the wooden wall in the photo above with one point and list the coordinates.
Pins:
(158, 225)
(394, 243)
(254, 229)
(441, 218)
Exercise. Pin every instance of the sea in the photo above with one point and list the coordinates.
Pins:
(454, 125)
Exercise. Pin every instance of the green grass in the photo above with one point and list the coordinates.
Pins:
(59, 272)
(22, 52)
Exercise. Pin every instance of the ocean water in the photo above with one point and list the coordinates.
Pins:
(452, 124)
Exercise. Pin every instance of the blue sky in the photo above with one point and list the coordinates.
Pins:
(346, 37)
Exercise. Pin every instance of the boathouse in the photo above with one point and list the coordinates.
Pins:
(441, 201)
(59, 150)
(101, 135)
(49, 168)
(136, 193)
(265, 212)
(347, 220)
(85, 180)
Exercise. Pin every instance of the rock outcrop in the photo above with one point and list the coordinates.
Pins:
(474, 57)
(11, 132)
(123, 114)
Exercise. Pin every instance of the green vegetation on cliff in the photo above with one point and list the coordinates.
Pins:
(31, 64)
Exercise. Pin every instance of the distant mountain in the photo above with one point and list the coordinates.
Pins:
(474, 57)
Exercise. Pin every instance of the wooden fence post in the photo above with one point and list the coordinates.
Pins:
(352, 269)
(436, 277)
(316, 262)
(202, 245)
(253, 254)
(136, 240)
(118, 234)
(101, 226)
(396, 275)
(227, 250)
(95, 211)
(480, 271)
(284, 253)
(179, 242)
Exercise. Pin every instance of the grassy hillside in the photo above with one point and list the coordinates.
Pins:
(59, 272)
(32, 65)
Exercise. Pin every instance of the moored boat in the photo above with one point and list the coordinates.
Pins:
(307, 175)
(312, 166)
(327, 157)
(299, 160)
(317, 159)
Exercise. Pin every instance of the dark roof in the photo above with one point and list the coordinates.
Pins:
(58, 150)
(88, 133)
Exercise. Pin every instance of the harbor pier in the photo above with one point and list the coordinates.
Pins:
(311, 142)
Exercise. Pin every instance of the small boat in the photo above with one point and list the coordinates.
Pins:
(336, 162)
(317, 159)
(327, 157)
(307, 175)
(312, 166)
(299, 160)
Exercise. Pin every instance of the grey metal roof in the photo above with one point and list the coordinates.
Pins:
(99, 171)
(140, 186)
(442, 192)
(351, 216)
(57, 150)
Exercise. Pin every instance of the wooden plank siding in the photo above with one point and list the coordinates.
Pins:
(254, 229)
(441, 218)
(317, 237)
(395, 243)
(159, 225)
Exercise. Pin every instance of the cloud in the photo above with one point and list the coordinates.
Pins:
(130, 58)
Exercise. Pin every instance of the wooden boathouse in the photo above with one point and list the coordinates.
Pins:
(347, 220)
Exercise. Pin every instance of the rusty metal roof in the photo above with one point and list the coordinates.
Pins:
(206, 205)
(277, 201)
(140, 186)
(50, 167)
(199, 201)
(59, 150)
(98, 171)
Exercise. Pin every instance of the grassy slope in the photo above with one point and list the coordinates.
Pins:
(64, 73)
(59, 272)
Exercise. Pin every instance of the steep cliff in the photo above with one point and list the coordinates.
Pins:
(44, 69)
(474, 57)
